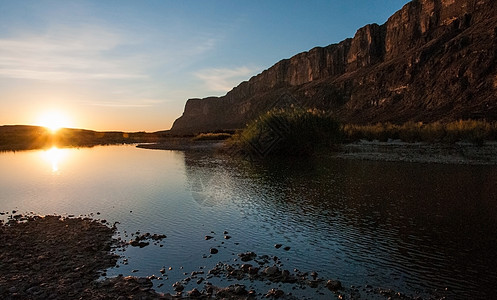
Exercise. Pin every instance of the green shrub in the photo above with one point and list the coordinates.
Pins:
(291, 132)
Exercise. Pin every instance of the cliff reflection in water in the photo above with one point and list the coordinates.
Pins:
(414, 227)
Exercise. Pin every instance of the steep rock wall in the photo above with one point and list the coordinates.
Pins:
(432, 60)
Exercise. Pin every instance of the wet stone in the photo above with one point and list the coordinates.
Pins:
(275, 293)
(333, 285)
(247, 256)
(272, 271)
(178, 287)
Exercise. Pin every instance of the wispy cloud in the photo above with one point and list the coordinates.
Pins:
(141, 103)
(67, 54)
(224, 79)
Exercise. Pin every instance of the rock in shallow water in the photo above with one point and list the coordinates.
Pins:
(333, 285)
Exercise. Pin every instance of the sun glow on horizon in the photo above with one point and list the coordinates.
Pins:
(54, 120)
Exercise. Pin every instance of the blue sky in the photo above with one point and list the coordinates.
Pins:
(131, 65)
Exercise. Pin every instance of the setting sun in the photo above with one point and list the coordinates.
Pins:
(54, 120)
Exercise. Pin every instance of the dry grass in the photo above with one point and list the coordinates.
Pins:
(463, 130)
(212, 136)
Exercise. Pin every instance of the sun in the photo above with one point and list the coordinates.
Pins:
(54, 120)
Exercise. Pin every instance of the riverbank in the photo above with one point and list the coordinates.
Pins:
(184, 144)
(391, 150)
(421, 152)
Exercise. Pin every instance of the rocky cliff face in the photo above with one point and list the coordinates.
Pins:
(432, 60)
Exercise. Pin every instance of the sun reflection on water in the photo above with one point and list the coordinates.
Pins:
(55, 156)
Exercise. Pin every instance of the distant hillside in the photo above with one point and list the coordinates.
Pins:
(22, 137)
(433, 60)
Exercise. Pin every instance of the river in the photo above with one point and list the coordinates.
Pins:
(426, 230)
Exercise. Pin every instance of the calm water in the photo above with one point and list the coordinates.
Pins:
(424, 229)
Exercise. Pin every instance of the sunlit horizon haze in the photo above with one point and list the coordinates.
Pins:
(132, 65)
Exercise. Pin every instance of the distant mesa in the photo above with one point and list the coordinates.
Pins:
(433, 60)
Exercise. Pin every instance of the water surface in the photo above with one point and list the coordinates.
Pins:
(421, 229)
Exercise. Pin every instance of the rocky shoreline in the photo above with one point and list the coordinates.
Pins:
(55, 257)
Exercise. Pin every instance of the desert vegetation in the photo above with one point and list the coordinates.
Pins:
(212, 136)
(475, 131)
(302, 132)
(294, 132)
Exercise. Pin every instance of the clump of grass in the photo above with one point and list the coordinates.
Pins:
(212, 136)
(474, 131)
(292, 132)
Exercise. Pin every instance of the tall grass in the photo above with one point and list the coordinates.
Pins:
(463, 130)
(212, 136)
(293, 132)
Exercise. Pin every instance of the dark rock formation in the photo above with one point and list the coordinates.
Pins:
(433, 60)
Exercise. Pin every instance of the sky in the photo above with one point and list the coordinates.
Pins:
(131, 65)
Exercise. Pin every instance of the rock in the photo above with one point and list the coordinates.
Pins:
(136, 243)
(314, 275)
(247, 256)
(245, 267)
(275, 293)
(253, 270)
(178, 287)
(240, 290)
(194, 293)
(334, 285)
(272, 271)
(379, 75)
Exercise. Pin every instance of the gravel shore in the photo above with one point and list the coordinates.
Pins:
(53, 257)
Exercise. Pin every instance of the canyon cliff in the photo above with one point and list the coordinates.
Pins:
(433, 60)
